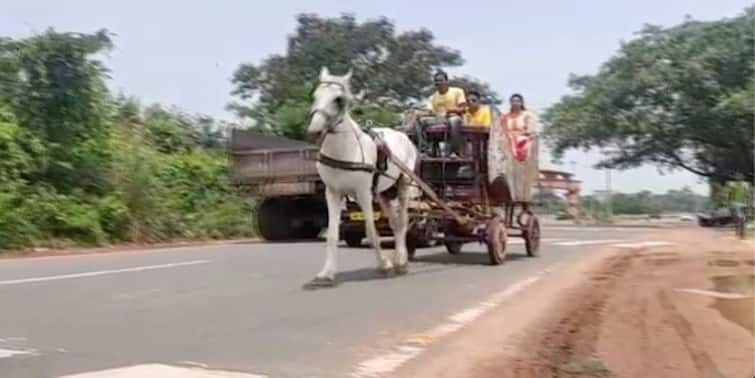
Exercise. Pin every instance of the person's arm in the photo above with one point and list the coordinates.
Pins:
(430, 108)
(461, 103)
(530, 124)
(487, 117)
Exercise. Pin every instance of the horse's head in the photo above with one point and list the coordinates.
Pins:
(331, 100)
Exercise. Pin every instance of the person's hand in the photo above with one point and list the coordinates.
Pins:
(457, 111)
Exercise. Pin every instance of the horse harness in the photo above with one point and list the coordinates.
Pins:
(377, 170)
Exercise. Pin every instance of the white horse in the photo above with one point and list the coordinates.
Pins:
(347, 165)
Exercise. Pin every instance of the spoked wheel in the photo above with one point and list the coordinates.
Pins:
(453, 247)
(532, 236)
(495, 239)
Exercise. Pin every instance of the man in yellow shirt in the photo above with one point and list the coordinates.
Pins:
(447, 105)
(447, 101)
(477, 115)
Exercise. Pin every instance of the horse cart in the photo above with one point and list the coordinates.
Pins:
(481, 196)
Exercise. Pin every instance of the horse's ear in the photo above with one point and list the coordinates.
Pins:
(324, 73)
(347, 77)
(360, 96)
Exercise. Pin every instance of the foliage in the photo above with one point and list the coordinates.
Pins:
(79, 167)
(390, 70)
(57, 93)
(732, 193)
(489, 96)
(549, 201)
(645, 202)
(679, 97)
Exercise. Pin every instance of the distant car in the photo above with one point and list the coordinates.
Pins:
(686, 218)
(723, 216)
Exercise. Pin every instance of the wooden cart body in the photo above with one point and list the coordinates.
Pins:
(482, 196)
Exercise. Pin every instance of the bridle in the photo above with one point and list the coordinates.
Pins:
(330, 121)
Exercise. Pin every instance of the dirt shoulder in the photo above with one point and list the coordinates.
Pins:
(684, 310)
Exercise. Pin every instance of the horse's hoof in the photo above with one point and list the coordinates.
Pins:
(402, 269)
(320, 282)
(386, 272)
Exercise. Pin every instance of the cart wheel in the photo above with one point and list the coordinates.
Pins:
(453, 248)
(495, 239)
(353, 239)
(532, 237)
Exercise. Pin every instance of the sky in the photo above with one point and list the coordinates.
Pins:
(183, 53)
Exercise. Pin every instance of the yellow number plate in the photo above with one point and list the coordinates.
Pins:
(359, 216)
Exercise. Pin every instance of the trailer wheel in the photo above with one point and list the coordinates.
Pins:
(308, 232)
(307, 212)
(273, 222)
(353, 239)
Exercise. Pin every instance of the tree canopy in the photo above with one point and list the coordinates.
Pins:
(679, 97)
(390, 69)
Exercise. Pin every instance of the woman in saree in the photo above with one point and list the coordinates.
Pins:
(520, 125)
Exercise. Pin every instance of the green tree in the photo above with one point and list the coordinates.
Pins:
(390, 70)
(489, 96)
(57, 92)
(170, 131)
(679, 97)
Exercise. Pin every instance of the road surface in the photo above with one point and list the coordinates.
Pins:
(241, 307)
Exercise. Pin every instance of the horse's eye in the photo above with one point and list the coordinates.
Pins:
(339, 102)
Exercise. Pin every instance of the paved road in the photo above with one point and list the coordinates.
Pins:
(242, 307)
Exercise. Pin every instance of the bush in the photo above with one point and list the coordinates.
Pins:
(79, 167)
(16, 227)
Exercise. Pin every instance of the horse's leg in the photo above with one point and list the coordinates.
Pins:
(364, 199)
(328, 272)
(402, 225)
(385, 206)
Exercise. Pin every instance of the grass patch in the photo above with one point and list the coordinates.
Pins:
(590, 367)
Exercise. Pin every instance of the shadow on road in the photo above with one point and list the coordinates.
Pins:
(464, 258)
(371, 274)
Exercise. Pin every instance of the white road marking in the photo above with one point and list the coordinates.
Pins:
(551, 240)
(6, 353)
(101, 272)
(592, 229)
(518, 240)
(161, 371)
(388, 362)
(193, 363)
(643, 244)
(587, 242)
(715, 294)
(384, 364)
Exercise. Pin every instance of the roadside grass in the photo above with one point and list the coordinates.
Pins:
(590, 367)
